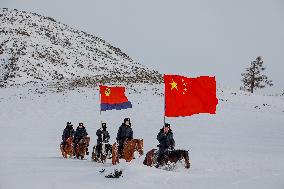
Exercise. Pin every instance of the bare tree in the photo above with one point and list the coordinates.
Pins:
(253, 77)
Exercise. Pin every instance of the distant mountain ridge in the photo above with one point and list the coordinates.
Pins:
(35, 48)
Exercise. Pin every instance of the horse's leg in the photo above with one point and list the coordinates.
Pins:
(131, 151)
(62, 152)
(93, 155)
(115, 158)
(65, 153)
(127, 151)
(71, 152)
(186, 159)
(148, 159)
(151, 158)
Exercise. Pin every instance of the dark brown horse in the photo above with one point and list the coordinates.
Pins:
(169, 157)
(80, 150)
(130, 146)
(68, 149)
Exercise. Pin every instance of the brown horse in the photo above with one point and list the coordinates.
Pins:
(68, 150)
(151, 158)
(170, 157)
(80, 150)
(130, 146)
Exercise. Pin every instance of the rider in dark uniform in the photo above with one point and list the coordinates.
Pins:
(103, 136)
(166, 142)
(80, 133)
(124, 133)
(67, 132)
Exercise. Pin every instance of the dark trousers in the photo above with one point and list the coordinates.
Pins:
(120, 147)
(98, 148)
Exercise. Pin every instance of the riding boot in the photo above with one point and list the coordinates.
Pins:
(120, 149)
(87, 152)
(120, 153)
(98, 149)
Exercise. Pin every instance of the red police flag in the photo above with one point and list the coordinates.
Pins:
(114, 98)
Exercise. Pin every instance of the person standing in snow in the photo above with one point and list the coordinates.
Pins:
(166, 142)
(67, 132)
(79, 134)
(124, 133)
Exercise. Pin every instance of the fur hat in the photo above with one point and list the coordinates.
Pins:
(167, 125)
(126, 119)
(81, 124)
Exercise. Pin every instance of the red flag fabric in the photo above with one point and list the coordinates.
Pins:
(113, 98)
(112, 95)
(187, 96)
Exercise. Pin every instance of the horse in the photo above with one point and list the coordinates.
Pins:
(105, 152)
(80, 150)
(130, 146)
(68, 150)
(173, 156)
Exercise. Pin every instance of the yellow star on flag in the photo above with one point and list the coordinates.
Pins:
(174, 85)
(184, 89)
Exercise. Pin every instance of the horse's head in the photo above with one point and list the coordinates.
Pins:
(186, 158)
(139, 146)
(69, 140)
(81, 141)
(85, 140)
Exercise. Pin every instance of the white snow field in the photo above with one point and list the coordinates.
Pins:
(242, 146)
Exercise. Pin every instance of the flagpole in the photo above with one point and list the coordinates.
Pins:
(164, 103)
(164, 109)
(100, 104)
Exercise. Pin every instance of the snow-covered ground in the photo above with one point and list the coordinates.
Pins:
(242, 146)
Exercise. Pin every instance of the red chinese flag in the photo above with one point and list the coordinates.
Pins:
(187, 96)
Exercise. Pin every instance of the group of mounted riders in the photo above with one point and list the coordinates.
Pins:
(125, 133)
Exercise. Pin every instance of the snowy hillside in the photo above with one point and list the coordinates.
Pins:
(35, 48)
(239, 147)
